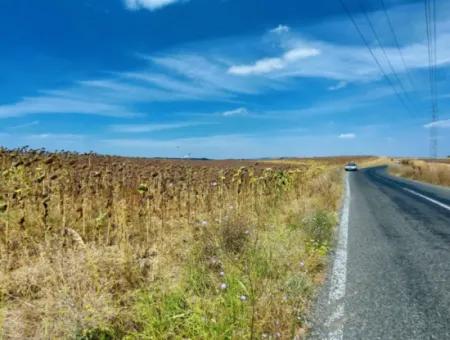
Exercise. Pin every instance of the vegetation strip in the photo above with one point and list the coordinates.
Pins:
(107, 247)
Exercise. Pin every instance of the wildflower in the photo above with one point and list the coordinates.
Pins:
(222, 273)
(243, 298)
(204, 223)
(302, 264)
(214, 184)
(223, 286)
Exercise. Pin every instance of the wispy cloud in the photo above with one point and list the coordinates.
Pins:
(205, 71)
(61, 105)
(280, 29)
(439, 124)
(349, 62)
(181, 87)
(142, 128)
(242, 111)
(24, 126)
(149, 4)
(340, 85)
(56, 136)
(268, 65)
(350, 135)
(338, 61)
(341, 104)
(218, 70)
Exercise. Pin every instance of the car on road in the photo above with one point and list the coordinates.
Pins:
(351, 167)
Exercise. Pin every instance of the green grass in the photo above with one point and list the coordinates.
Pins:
(262, 286)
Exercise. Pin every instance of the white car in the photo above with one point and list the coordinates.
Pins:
(351, 167)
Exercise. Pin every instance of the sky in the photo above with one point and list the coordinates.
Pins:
(222, 78)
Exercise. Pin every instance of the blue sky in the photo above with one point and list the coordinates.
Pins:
(219, 78)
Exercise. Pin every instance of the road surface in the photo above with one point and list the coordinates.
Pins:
(390, 275)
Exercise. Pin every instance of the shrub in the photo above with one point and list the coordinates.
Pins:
(319, 228)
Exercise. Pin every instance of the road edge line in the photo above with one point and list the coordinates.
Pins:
(339, 273)
(442, 205)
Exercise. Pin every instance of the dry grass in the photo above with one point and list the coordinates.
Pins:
(434, 172)
(95, 247)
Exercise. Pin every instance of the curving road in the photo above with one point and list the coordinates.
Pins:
(390, 276)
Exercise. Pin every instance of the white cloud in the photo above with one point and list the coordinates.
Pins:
(340, 85)
(206, 71)
(347, 136)
(261, 66)
(141, 128)
(49, 104)
(280, 29)
(439, 124)
(237, 112)
(268, 65)
(299, 53)
(149, 4)
(168, 78)
(351, 62)
(24, 125)
(56, 136)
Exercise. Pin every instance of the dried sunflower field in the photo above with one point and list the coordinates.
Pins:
(102, 247)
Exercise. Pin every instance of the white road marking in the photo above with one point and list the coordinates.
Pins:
(445, 206)
(339, 274)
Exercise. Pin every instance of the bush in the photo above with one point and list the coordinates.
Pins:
(319, 228)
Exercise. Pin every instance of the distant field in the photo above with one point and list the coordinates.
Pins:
(434, 171)
(109, 247)
(439, 160)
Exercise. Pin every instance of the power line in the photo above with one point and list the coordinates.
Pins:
(430, 19)
(386, 57)
(396, 41)
(363, 38)
(431, 40)
(435, 57)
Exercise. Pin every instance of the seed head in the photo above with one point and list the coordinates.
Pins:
(142, 189)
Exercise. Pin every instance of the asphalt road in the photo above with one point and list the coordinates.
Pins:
(390, 275)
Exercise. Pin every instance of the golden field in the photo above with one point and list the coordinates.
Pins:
(430, 171)
(100, 247)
